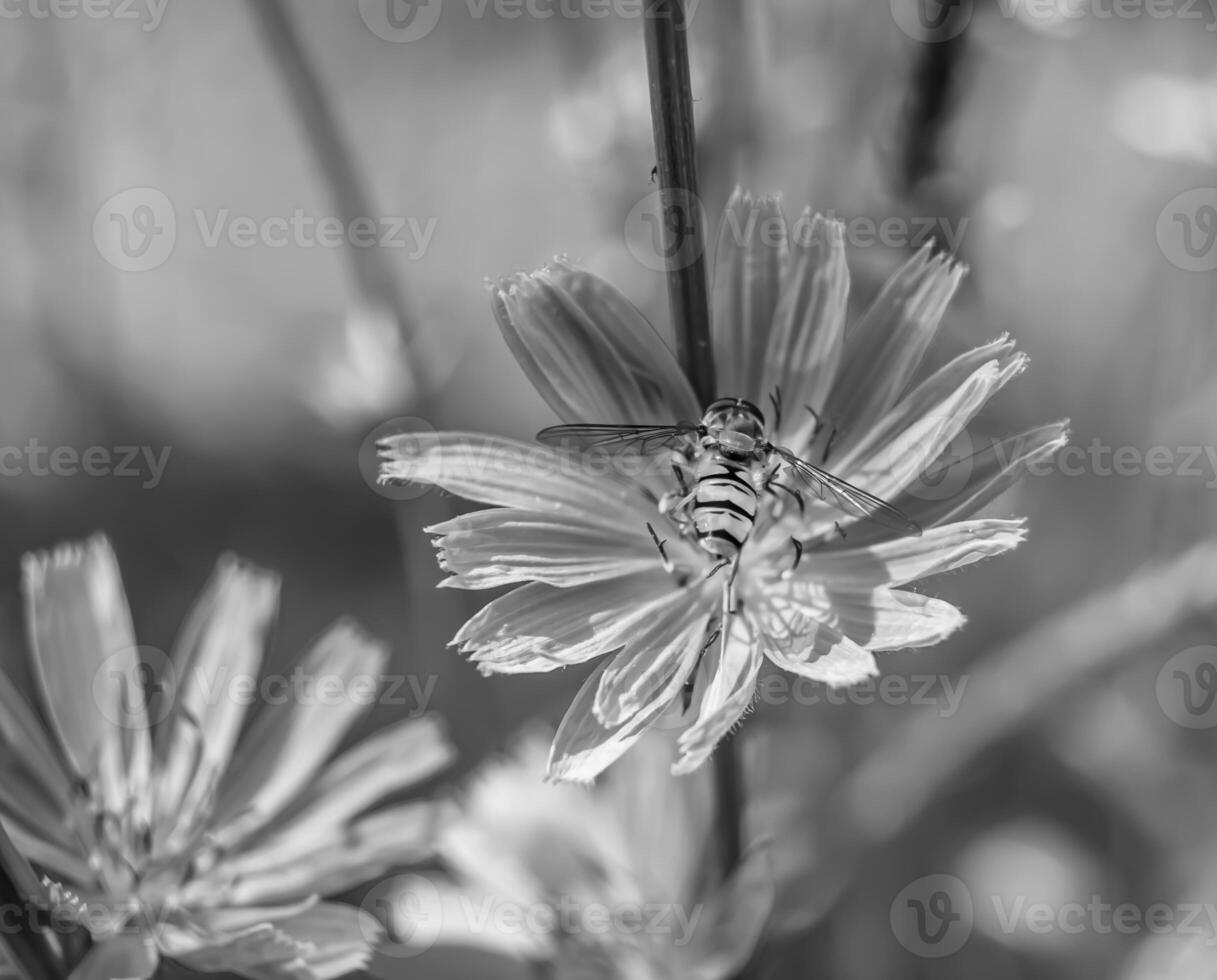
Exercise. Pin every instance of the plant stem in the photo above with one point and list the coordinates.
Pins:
(665, 28)
(34, 949)
(729, 793)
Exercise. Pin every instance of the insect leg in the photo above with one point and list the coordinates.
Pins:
(815, 433)
(723, 563)
(663, 553)
(686, 694)
(832, 437)
(680, 480)
(799, 548)
(798, 497)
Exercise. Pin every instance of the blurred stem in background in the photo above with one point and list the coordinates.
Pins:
(665, 28)
(376, 278)
(888, 792)
(34, 949)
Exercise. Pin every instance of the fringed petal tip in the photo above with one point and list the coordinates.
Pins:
(35, 565)
(347, 637)
(230, 564)
(506, 283)
(566, 769)
(937, 264)
(694, 750)
(742, 198)
(817, 228)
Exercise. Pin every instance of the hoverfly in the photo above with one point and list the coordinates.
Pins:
(722, 465)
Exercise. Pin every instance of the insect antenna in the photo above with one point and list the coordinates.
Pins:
(775, 399)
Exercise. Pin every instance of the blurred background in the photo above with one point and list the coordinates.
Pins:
(166, 286)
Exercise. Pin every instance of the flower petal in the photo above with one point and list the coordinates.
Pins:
(52, 847)
(795, 639)
(317, 845)
(221, 642)
(959, 485)
(889, 619)
(668, 636)
(88, 666)
(129, 955)
(909, 558)
(290, 740)
(809, 328)
(751, 254)
(323, 942)
(284, 868)
(539, 627)
(885, 347)
(588, 351)
(520, 475)
(929, 394)
(487, 549)
(33, 783)
(732, 668)
(584, 748)
(427, 912)
(890, 468)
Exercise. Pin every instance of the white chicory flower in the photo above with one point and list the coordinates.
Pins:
(165, 832)
(611, 883)
(574, 537)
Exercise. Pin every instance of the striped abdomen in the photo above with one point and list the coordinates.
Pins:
(724, 505)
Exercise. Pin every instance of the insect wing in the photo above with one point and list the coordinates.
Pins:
(849, 498)
(616, 438)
